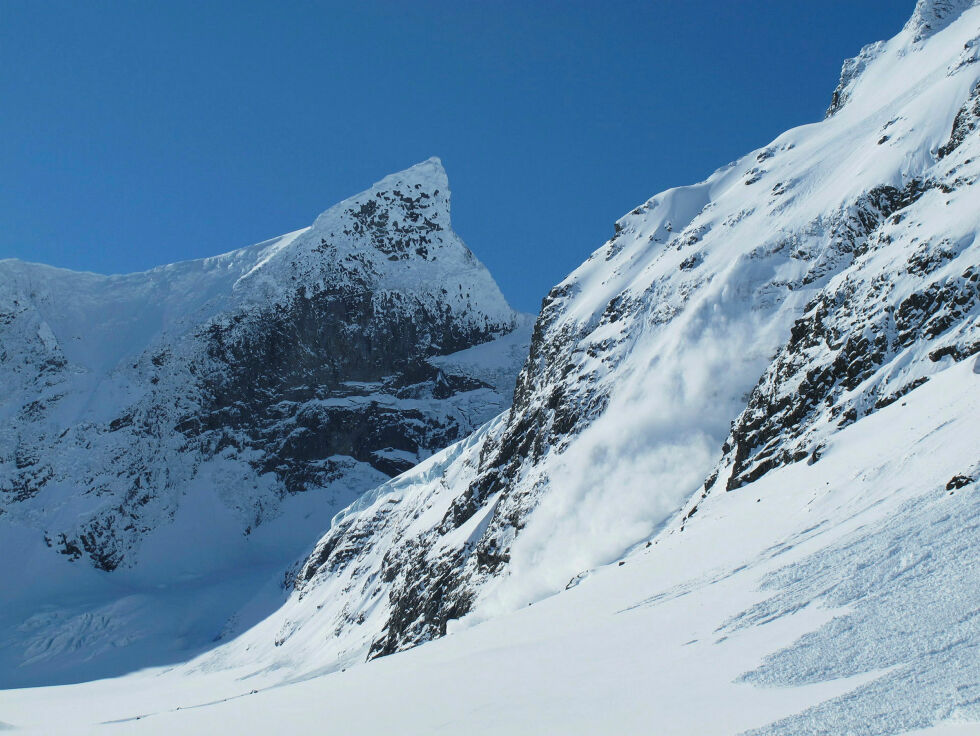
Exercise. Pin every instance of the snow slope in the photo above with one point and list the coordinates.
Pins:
(192, 429)
(760, 396)
(837, 597)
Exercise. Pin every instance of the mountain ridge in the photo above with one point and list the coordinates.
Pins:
(301, 366)
(739, 453)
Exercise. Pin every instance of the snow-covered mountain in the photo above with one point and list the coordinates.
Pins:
(727, 329)
(182, 420)
(737, 479)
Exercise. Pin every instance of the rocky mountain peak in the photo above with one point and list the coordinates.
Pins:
(932, 16)
(409, 204)
(207, 412)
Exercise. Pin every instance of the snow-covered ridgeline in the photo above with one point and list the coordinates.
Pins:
(833, 590)
(174, 424)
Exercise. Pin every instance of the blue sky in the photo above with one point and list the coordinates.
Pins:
(138, 133)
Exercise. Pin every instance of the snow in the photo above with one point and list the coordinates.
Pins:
(681, 373)
(932, 16)
(835, 594)
(742, 621)
(491, 362)
(98, 370)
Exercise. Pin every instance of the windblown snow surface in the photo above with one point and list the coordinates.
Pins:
(736, 491)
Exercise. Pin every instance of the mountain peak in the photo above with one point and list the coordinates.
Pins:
(424, 186)
(427, 176)
(396, 235)
(430, 170)
(932, 16)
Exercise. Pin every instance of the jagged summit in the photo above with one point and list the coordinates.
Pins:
(215, 413)
(398, 234)
(932, 16)
(426, 181)
(416, 194)
(427, 176)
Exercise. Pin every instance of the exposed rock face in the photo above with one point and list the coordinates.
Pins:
(840, 263)
(862, 343)
(303, 364)
(965, 124)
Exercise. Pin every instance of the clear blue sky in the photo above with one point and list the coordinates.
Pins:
(138, 133)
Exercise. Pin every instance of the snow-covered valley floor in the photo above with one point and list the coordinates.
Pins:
(805, 602)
